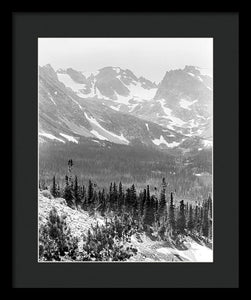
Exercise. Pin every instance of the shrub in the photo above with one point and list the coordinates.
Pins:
(47, 194)
(110, 242)
(55, 239)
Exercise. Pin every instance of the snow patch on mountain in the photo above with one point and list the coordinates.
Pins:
(97, 94)
(123, 99)
(106, 133)
(191, 74)
(69, 138)
(99, 136)
(89, 73)
(50, 136)
(117, 70)
(166, 110)
(161, 140)
(207, 143)
(168, 115)
(115, 108)
(186, 104)
(68, 82)
(139, 93)
(80, 107)
(50, 97)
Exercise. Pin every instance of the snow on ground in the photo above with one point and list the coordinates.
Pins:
(50, 97)
(68, 82)
(99, 136)
(78, 129)
(170, 127)
(115, 108)
(186, 104)
(132, 106)
(161, 140)
(193, 124)
(168, 115)
(123, 99)
(194, 253)
(166, 110)
(98, 94)
(98, 142)
(116, 69)
(198, 174)
(139, 93)
(69, 138)
(106, 133)
(80, 107)
(207, 143)
(89, 73)
(202, 117)
(50, 136)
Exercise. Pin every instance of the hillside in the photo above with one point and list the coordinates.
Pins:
(148, 248)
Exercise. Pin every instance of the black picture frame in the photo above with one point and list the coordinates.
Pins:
(224, 28)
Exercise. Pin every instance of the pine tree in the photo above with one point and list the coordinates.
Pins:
(142, 203)
(149, 212)
(181, 221)
(58, 191)
(77, 194)
(133, 201)
(70, 164)
(90, 192)
(196, 218)
(205, 219)
(154, 207)
(162, 203)
(83, 193)
(111, 197)
(210, 216)
(172, 221)
(120, 198)
(103, 204)
(68, 192)
(190, 224)
(115, 197)
(54, 191)
(127, 199)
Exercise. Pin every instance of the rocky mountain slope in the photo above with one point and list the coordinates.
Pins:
(183, 102)
(114, 105)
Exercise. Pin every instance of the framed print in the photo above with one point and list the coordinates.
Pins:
(122, 143)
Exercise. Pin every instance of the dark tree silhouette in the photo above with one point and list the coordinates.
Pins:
(181, 220)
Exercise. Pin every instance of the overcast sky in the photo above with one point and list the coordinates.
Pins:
(148, 57)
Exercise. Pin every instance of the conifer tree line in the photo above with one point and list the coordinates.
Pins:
(150, 211)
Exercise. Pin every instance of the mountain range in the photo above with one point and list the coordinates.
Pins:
(113, 106)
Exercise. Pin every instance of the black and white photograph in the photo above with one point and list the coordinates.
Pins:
(125, 150)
